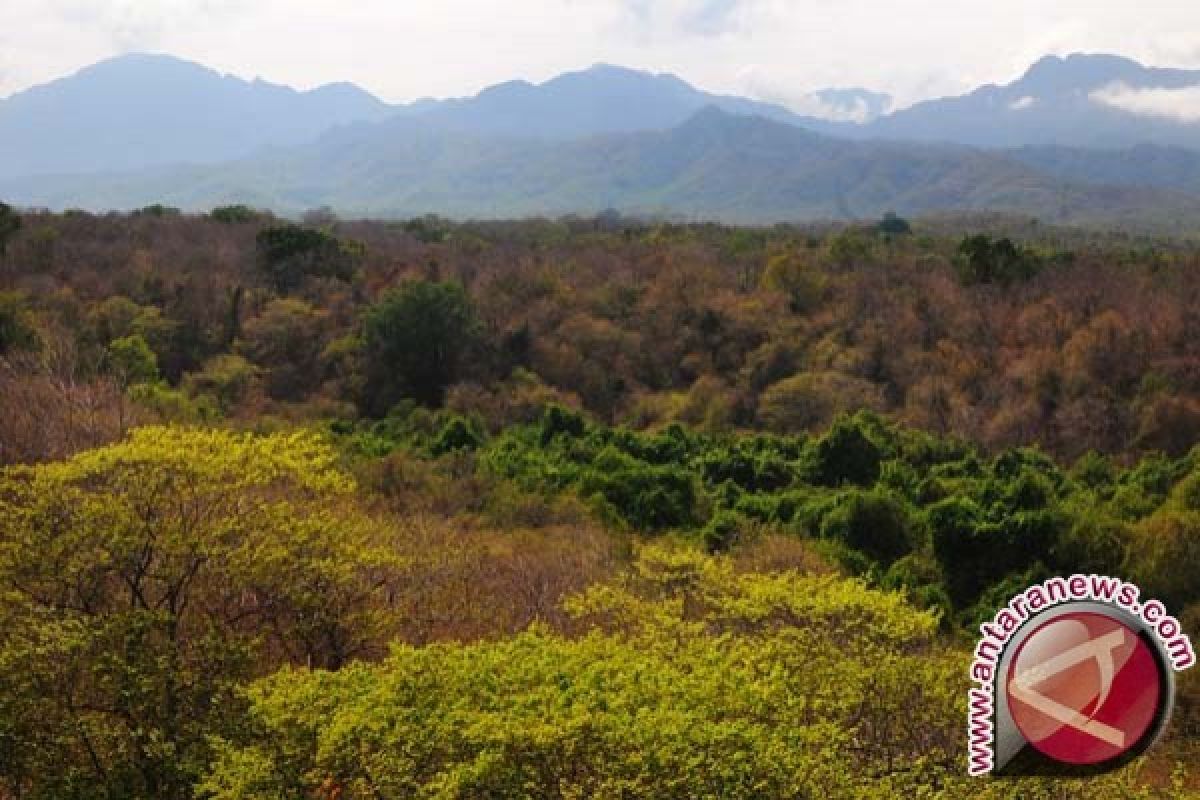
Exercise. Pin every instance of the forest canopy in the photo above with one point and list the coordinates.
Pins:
(566, 508)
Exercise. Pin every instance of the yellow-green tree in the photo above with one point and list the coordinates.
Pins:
(139, 582)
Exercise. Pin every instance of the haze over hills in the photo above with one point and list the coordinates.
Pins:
(1145, 165)
(1078, 101)
(714, 166)
(144, 129)
(142, 110)
(601, 99)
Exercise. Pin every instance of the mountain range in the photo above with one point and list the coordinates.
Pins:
(1082, 139)
(142, 110)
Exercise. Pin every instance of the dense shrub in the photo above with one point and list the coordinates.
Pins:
(414, 341)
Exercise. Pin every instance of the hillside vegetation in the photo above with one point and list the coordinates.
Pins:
(565, 508)
(713, 166)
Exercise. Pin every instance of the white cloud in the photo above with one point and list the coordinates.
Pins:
(1022, 103)
(404, 49)
(1178, 104)
(685, 17)
(756, 82)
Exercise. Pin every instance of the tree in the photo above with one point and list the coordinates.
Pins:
(142, 582)
(697, 682)
(812, 399)
(228, 379)
(846, 454)
(10, 223)
(131, 361)
(872, 522)
(984, 260)
(1165, 557)
(17, 330)
(894, 225)
(415, 338)
(789, 274)
(233, 215)
(286, 341)
(287, 254)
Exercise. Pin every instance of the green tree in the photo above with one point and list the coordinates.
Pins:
(789, 274)
(984, 260)
(10, 223)
(1165, 557)
(696, 682)
(872, 522)
(131, 361)
(894, 225)
(141, 582)
(287, 254)
(846, 454)
(228, 379)
(233, 215)
(415, 339)
(17, 330)
(286, 341)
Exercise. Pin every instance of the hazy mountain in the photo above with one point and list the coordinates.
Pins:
(1146, 165)
(715, 165)
(598, 100)
(141, 110)
(123, 133)
(1081, 100)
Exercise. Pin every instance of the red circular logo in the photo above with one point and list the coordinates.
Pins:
(1084, 688)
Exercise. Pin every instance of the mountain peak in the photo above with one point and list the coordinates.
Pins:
(148, 109)
(617, 75)
(602, 67)
(144, 63)
(1077, 71)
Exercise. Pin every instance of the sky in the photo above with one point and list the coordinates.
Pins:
(777, 50)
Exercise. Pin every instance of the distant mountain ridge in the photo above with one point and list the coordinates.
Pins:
(1078, 101)
(599, 100)
(714, 166)
(143, 129)
(136, 111)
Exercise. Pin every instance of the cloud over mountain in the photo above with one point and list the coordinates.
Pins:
(1181, 104)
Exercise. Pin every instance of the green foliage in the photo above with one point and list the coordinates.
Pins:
(1186, 494)
(131, 361)
(143, 585)
(429, 229)
(1165, 557)
(10, 223)
(872, 493)
(233, 215)
(850, 248)
(227, 379)
(894, 225)
(557, 420)
(457, 434)
(414, 339)
(588, 321)
(790, 274)
(872, 522)
(17, 330)
(288, 254)
(700, 683)
(722, 531)
(158, 210)
(142, 582)
(846, 454)
(286, 342)
(984, 260)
